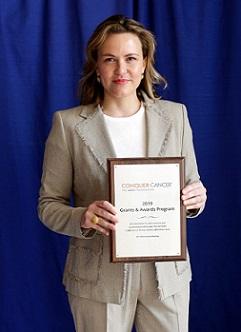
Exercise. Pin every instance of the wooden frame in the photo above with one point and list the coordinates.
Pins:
(152, 218)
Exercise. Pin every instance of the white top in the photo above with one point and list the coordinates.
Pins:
(128, 134)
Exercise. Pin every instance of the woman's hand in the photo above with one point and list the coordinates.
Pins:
(194, 196)
(100, 215)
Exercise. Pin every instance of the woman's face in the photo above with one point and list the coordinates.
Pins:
(120, 65)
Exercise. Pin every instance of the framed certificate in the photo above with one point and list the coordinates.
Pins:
(152, 222)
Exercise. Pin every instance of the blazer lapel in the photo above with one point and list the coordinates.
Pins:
(93, 132)
(158, 129)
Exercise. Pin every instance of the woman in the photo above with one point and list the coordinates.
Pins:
(120, 116)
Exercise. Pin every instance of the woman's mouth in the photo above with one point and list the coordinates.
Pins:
(121, 81)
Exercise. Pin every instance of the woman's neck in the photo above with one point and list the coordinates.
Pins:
(121, 107)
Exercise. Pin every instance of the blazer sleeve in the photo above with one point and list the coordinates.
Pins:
(54, 207)
(191, 169)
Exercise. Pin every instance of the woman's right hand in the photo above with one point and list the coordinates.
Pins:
(101, 216)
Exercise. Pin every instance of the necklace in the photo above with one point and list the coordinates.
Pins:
(121, 113)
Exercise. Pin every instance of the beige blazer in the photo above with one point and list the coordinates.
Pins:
(75, 166)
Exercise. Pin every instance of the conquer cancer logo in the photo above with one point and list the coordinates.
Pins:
(146, 185)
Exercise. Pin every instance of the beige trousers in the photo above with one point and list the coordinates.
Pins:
(141, 307)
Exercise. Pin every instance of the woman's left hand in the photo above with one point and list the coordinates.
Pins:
(194, 196)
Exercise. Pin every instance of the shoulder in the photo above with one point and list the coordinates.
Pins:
(66, 120)
(167, 109)
(75, 114)
(162, 105)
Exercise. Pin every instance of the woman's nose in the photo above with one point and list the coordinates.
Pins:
(121, 67)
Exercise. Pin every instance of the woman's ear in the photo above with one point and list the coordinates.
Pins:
(97, 75)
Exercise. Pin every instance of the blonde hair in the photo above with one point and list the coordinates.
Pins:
(90, 90)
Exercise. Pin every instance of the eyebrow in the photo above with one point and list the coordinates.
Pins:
(112, 55)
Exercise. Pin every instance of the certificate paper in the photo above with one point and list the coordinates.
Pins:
(146, 193)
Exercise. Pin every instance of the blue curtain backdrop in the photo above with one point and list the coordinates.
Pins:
(42, 51)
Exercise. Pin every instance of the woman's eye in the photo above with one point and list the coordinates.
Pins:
(131, 58)
(109, 60)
